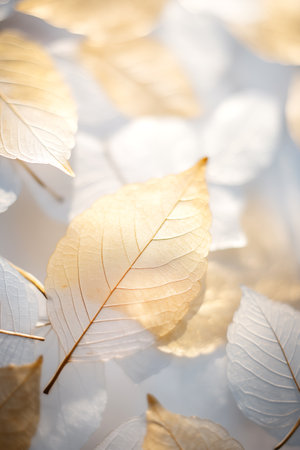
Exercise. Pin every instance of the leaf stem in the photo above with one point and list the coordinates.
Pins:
(288, 436)
(28, 276)
(24, 335)
(56, 196)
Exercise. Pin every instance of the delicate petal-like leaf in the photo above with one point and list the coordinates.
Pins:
(293, 109)
(173, 431)
(129, 435)
(19, 404)
(19, 301)
(264, 362)
(276, 33)
(133, 262)
(241, 137)
(142, 78)
(37, 112)
(112, 21)
(10, 185)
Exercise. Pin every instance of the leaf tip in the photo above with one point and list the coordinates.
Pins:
(68, 169)
(151, 400)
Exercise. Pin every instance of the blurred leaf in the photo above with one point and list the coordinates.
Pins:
(276, 34)
(240, 139)
(129, 435)
(10, 185)
(19, 302)
(293, 109)
(132, 262)
(38, 115)
(19, 404)
(263, 363)
(267, 264)
(141, 77)
(104, 21)
(166, 430)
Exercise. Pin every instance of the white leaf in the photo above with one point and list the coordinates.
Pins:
(264, 362)
(74, 408)
(241, 137)
(19, 313)
(242, 11)
(226, 207)
(10, 185)
(129, 435)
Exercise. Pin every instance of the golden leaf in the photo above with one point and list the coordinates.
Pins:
(276, 35)
(166, 430)
(142, 78)
(293, 109)
(105, 21)
(19, 404)
(132, 262)
(266, 264)
(37, 113)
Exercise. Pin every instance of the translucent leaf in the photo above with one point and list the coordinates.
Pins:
(113, 21)
(129, 435)
(10, 185)
(19, 303)
(275, 34)
(19, 404)
(131, 263)
(241, 137)
(293, 109)
(141, 77)
(173, 431)
(38, 115)
(264, 363)
(74, 408)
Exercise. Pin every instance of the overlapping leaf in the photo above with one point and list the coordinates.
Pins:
(264, 363)
(131, 263)
(173, 431)
(37, 112)
(19, 404)
(129, 435)
(107, 22)
(142, 78)
(19, 302)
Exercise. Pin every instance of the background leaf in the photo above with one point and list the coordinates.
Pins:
(129, 435)
(142, 78)
(106, 22)
(293, 109)
(263, 362)
(10, 185)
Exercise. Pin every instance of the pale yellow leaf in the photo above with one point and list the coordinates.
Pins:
(105, 21)
(167, 430)
(267, 264)
(142, 78)
(132, 262)
(293, 109)
(19, 404)
(38, 115)
(276, 35)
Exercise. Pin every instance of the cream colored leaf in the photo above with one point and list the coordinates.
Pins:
(267, 264)
(19, 404)
(142, 78)
(276, 35)
(166, 430)
(129, 435)
(263, 353)
(37, 112)
(293, 109)
(129, 267)
(105, 21)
